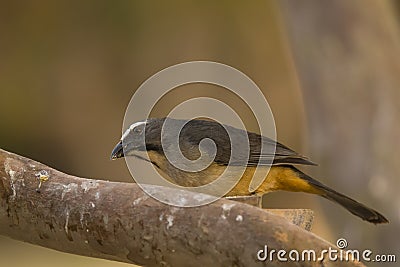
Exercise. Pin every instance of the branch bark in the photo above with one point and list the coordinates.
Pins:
(118, 221)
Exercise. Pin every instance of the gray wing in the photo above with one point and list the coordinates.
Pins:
(193, 132)
(283, 155)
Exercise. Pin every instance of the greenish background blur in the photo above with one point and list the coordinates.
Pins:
(69, 68)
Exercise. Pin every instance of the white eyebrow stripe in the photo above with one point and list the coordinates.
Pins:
(133, 126)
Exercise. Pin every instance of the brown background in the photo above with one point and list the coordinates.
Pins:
(69, 68)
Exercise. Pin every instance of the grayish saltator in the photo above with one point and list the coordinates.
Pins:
(281, 176)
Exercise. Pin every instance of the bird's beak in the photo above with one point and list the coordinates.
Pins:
(118, 151)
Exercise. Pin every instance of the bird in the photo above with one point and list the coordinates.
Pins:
(145, 137)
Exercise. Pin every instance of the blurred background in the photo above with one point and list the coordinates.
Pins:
(330, 71)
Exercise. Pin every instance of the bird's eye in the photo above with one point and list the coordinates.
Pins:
(137, 130)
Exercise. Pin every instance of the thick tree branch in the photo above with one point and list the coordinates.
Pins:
(118, 221)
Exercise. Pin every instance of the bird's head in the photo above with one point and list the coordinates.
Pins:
(131, 141)
(139, 137)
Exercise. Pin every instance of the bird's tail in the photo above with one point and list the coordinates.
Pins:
(351, 205)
